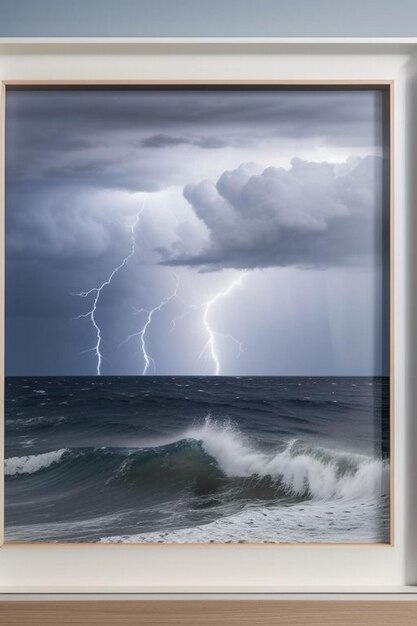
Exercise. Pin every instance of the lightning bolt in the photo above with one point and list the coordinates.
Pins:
(97, 291)
(211, 345)
(141, 334)
(207, 307)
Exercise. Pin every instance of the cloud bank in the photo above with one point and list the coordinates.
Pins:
(311, 215)
(146, 140)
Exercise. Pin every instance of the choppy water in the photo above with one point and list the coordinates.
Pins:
(197, 459)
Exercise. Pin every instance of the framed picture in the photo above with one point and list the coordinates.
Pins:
(198, 313)
(373, 580)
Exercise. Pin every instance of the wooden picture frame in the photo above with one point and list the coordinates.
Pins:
(385, 87)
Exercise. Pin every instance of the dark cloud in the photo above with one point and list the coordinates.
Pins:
(95, 137)
(102, 109)
(75, 158)
(170, 141)
(294, 112)
(312, 215)
(55, 224)
(163, 141)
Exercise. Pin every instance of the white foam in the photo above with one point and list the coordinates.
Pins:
(299, 469)
(32, 463)
(360, 521)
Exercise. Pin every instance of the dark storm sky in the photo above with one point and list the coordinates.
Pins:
(283, 186)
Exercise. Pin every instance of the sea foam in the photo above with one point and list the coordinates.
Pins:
(302, 469)
(32, 463)
(359, 521)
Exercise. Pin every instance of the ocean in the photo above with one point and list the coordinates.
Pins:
(199, 459)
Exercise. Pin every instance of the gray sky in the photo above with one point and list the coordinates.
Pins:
(254, 220)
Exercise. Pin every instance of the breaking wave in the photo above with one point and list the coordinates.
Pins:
(217, 454)
(301, 468)
(32, 463)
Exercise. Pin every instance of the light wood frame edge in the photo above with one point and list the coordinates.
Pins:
(120, 83)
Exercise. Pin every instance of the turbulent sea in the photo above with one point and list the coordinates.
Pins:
(197, 459)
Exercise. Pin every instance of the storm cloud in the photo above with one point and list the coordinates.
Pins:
(125, 139)
(169, 141)
(310, 215)
(81, 163)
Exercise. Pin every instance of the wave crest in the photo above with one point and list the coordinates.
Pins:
(32, 463)
(301, 469)
(213, 456)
